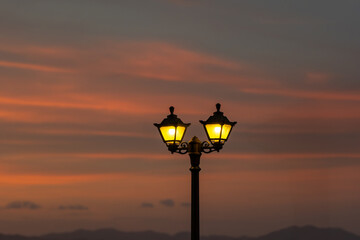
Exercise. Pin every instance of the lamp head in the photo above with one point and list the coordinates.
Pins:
(218, 127)
(172, 129)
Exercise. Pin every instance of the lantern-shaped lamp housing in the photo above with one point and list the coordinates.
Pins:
(218, 127)
(172, 129)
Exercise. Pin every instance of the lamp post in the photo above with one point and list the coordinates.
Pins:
(172, 130)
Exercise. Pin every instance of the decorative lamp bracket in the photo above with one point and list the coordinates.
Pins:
(181, 149)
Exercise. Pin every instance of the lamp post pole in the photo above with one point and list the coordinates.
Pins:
(195, 154)
(172, 131)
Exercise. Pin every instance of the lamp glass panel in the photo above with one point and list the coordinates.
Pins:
(218, 132)
(213, 131)
(168, 133)
(180, 133)
(225, 131)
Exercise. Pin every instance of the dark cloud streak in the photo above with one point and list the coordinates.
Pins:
(22, 205)
(147, 205)
(77, 207)
(167, 202)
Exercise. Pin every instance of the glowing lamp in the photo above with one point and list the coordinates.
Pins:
(172, 130)
(218, 127)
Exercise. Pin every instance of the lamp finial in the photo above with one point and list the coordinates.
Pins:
(218, 105)
(171, 110)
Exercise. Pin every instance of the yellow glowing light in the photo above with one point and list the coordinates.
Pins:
(217, 129)
(218, 132)
(171, 134)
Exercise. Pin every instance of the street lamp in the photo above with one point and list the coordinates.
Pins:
(172, 130)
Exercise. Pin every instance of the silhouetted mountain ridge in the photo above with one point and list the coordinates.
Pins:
(290, 233)
(309, 233)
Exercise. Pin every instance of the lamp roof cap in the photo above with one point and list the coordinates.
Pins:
(172, 120)
(218, 118)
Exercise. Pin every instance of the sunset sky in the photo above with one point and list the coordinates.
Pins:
(82, 82)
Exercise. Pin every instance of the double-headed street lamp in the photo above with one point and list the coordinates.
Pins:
(172, 131)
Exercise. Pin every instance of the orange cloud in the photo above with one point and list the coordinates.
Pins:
(148, 156)
(84, 156)
(281, 156)
(154, 61)
(304, 94)
(57, 108)
(34, 67)
(157, 60)
(36, 108)
(21, 142)
(31, 179)
(87, 132)
(166, 156)
(149, 60)
(36, 51)
(292, 186)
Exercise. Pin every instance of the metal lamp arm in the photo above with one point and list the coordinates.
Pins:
(207, 147)
(181, 149)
